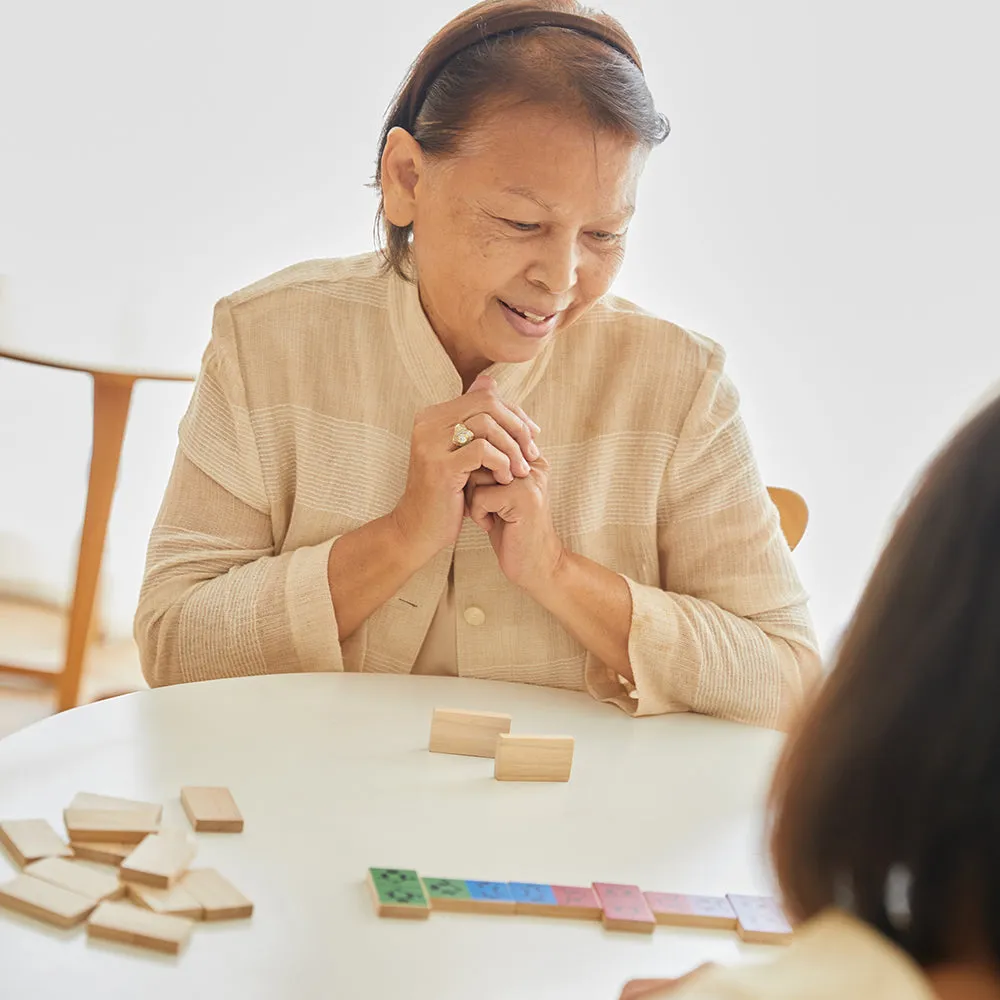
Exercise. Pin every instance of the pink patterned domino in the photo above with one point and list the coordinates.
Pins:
(624, 908)
(761, 920)
(579, 902)
(680, 910)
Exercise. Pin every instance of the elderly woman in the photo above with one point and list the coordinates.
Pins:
(462, 455)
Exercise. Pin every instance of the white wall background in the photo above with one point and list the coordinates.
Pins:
(827, 207)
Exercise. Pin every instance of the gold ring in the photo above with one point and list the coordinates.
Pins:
(461, 436)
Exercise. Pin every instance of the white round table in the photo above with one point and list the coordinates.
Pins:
(333, 776)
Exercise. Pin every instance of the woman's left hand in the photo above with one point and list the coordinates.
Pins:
(517, 518)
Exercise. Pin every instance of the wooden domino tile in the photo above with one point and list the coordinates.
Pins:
(175, 901)
(212, 810)
(120, 826)
(45, 901)
(29, 840)
(398, 892)
(760, 920)
(533, 758)
(77, 877)
(131, 925)
(160, 859)
(105, 854)
(473, 734)
(568, 902)
(678, 910)
(87, 801)
(624, 908)
(462, 896)
(218, 897)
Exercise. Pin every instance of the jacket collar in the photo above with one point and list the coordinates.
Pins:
(428, 363)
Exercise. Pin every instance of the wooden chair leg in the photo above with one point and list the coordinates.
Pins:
(112, 397)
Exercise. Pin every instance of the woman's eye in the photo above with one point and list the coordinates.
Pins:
(522, 227)
(603, 237)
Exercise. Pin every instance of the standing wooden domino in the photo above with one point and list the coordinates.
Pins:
(130, 925)
(218, 897)
(473, 734)
(119, 826)
(567, 901)
(677, 910)
(30, 840)
(212, 810)
(45, 901)
(533, 758)
(760, 920)
(398, 892)
(464, 896)
(77, 877)
(624, 908)
(160, 859)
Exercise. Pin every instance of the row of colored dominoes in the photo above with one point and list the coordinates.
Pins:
(399, 892)
(487, 734)
(166, 895)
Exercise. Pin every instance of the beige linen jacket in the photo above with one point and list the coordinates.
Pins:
(298, 431)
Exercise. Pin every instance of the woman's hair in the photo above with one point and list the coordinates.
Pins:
(892, 779)
(504, 52)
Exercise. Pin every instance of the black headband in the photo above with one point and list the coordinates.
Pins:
(504, 22)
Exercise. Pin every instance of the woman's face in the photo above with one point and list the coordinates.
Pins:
(517, 234)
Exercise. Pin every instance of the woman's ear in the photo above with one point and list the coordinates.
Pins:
(402, 161)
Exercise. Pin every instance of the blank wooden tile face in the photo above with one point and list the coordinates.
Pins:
(212, 810)
(533, 758)
(151, 811)
(132, 925)
(115, 825)
(219, 898)
(176, 900)
(44, 901)
(159, 859)
(473, 734)
(105, 854)
(30, 839)
(77, 877)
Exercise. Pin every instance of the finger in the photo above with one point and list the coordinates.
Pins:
(496, 500)
(641, 989)
(524, 416)
(482, 397)
(481, 454)
(484, 426)
(482, 381)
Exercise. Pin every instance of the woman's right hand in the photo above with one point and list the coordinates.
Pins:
(430, 512)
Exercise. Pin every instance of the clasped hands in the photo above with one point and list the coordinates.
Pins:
(499, 480)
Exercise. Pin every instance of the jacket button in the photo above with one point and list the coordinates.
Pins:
(474, 615)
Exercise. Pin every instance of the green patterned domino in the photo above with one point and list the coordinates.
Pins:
(398, 892)
(448, 893)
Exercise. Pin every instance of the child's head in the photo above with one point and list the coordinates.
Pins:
(887, 799)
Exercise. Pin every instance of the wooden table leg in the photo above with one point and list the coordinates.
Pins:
(112, 396)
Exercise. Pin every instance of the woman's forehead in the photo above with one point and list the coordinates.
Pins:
(532, 155)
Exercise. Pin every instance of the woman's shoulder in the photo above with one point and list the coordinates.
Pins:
(360, 279)
(622, 326)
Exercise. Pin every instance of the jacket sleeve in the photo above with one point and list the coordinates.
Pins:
(727, 632)
(216, 600)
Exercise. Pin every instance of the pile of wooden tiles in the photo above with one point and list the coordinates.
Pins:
(400, 892)
(149, 864)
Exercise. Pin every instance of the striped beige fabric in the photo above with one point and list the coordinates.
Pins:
(299, 429)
